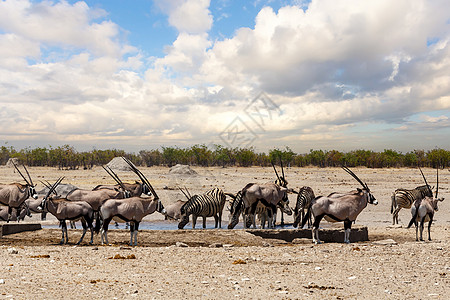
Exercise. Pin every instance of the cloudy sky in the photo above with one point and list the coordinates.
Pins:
(136, 75)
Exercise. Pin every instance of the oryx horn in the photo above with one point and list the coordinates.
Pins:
(114, 176)
(276, 172)
(189, 198)
(437, 181)
(53, 187)
(346, 169)
(425, 181)
(15, 166)
(141, 176)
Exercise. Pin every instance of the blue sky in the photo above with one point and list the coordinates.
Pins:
(342, 74)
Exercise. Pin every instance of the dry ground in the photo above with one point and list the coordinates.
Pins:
(239, 265)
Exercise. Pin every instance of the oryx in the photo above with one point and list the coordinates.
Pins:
(423, 211)
(64, 210)
(269, 194)
(13, 195)
(339, 207)
(131, 210)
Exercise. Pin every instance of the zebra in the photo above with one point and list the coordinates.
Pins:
(304, 198)
(403, 198)
(210, 204)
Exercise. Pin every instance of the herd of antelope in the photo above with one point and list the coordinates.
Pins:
(131, 202)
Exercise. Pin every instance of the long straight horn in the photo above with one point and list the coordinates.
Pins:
(437, 181)
(114, 176)
(31, 181)
(15, 166)
(53, 187)
(356, 177)
(282, 169)
(187, 191)
(184, 193)
(425, 181)
(141, 176)
(276, 173)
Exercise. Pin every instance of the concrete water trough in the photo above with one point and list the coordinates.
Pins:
(358, 234)
(11, 228)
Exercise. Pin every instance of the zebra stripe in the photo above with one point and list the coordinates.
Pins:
(403, 198)
(304, 198)
(210, 204)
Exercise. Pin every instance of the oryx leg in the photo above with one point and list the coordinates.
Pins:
(421, 228)
(132, 227)
(9, 214)
(104, 232)
(64, 232)
(83, 224)
(136, 230)
(315, 229)
(429, 226)
(348, 229)
(417, 230)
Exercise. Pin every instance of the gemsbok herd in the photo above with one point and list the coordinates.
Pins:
(131, 202)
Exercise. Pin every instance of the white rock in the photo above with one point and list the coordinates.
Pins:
(2, 281)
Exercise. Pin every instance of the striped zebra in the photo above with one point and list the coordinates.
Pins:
(304, 198)
(210, 204)
(403, 198)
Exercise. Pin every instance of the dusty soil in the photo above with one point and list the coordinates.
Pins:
(233, 263)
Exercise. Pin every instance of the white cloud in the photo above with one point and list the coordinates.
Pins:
(187, 16)
(332, 67)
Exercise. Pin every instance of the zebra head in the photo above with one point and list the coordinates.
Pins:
(236, 209)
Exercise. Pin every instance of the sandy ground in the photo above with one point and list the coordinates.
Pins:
(224, 264)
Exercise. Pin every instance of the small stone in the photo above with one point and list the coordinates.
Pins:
(181, 244)
(12, 251)
(216, 245)
(387, 242)
(317, 268)
(351, 277)
(227, 245)
(2, 281)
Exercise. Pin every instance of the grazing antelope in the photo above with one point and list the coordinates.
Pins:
(269, 194)
(64, 210)
(403, 198)
(210, 204)
(304, 198)
(339, 207)
(423, 211)
(13, 195)
(173, 211)
(281, 181)
(131, 210)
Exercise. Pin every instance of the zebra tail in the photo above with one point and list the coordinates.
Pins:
(392, 203)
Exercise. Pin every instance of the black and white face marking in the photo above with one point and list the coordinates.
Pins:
(33, 192)
(146, 190)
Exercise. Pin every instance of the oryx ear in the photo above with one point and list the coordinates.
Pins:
(292, 191)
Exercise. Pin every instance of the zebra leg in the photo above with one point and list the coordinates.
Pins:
(216, 221)
(194, 220)
(395, 216)
(83, 223)
(204, 222)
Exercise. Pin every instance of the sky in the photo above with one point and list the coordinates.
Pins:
(140, 75)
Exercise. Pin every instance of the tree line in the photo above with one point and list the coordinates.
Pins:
(67, 157)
